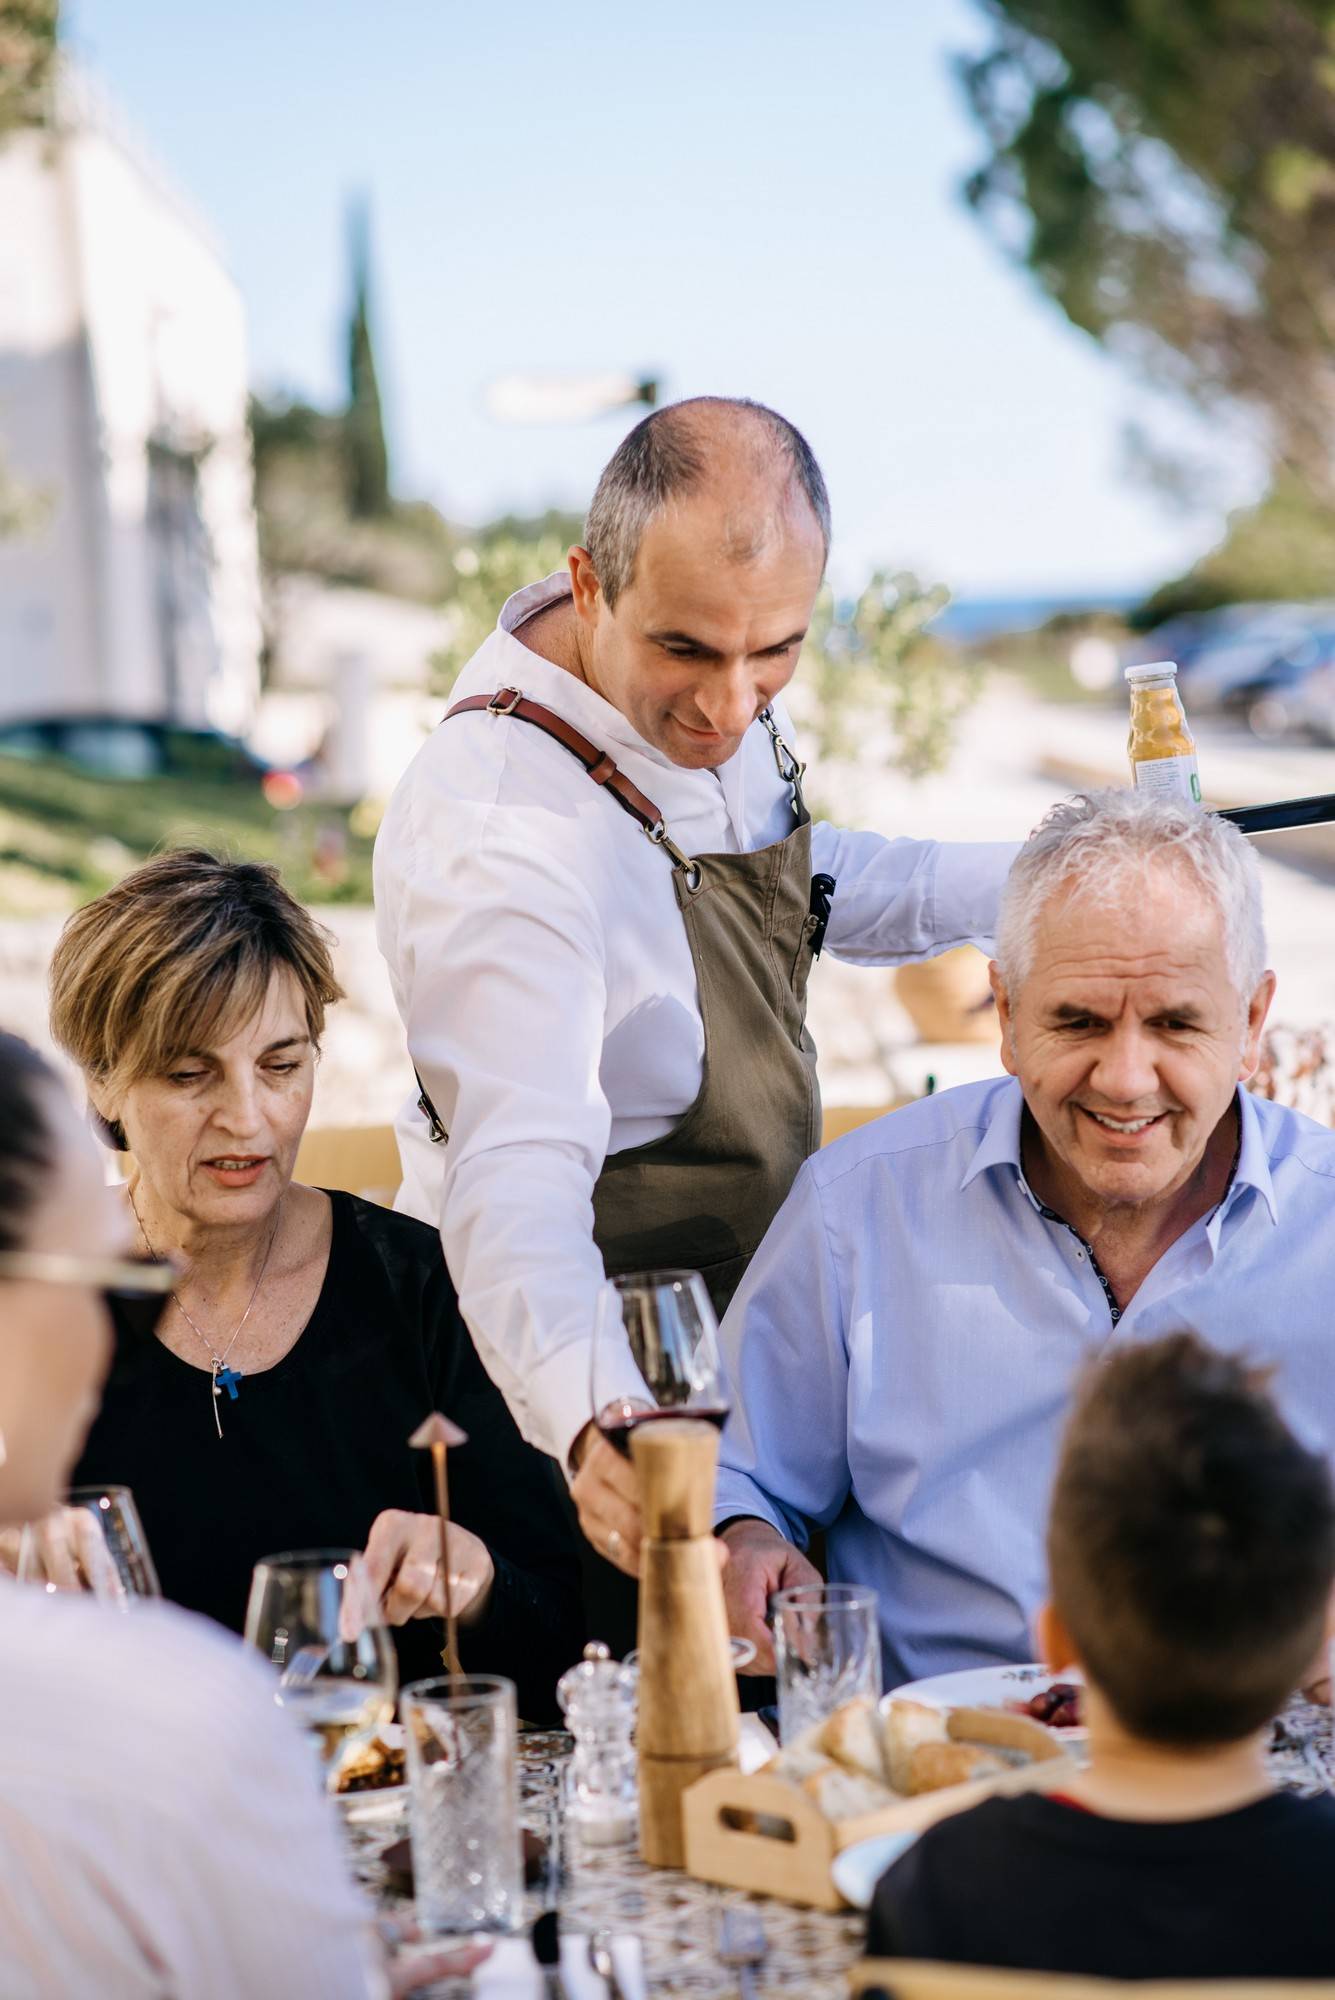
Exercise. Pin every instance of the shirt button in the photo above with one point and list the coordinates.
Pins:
(1080, 1256)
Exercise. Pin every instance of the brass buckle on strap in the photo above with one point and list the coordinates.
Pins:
(499, 706)
(660, 836)
(790, 770)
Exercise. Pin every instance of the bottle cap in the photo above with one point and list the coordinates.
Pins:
(1153, 670)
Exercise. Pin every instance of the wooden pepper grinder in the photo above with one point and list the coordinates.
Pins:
(688, 1713)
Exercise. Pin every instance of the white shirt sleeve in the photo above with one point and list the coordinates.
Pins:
(502, 975)
(896, 901)
(784, 1456)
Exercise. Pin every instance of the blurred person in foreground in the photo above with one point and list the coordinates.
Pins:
(903, 1348)
(1191, 1549)
(610, 1028)
(161, 1831)
(310, 1332)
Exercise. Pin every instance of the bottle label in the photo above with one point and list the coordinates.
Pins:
(1169, 777)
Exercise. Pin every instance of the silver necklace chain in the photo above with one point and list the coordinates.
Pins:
(219, 1360)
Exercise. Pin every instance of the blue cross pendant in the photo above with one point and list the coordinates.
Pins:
(227, 1379)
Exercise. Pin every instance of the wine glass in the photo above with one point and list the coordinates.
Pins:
(314, 1616)
(655, 1354)
(94, 1542)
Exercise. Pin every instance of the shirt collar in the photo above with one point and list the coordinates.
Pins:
(1000, 1144)
(1253, 1168)
(1000, 1147)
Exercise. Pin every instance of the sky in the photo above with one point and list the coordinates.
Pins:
(737, 198)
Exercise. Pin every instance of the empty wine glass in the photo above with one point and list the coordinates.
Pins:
(94, 1542)
(314, 1616)
(655, 1354)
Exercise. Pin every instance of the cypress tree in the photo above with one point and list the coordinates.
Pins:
(363, 426)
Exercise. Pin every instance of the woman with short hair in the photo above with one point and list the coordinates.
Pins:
(312, 1331)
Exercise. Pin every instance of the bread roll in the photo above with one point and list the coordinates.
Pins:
(841, 1794)
(906, 1725)
(933, 1766)
(852, 1736)
(1003, 1729)
(800, 1761)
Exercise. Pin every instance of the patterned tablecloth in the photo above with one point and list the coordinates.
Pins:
(677, 1918)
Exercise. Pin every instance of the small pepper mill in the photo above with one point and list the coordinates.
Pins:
(688, 1717)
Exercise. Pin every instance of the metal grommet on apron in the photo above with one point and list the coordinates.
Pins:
(703, 1195)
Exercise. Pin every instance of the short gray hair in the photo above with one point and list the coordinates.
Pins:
(667, 455)
(1097, 839)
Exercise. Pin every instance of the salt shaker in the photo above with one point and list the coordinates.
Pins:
(601, 1794)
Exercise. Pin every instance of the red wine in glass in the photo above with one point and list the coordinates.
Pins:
(655, 1355)
(619, 1420)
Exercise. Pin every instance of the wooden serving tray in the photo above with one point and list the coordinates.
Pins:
(766, 1834)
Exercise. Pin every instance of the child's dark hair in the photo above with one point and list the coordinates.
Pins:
(1191, 1543)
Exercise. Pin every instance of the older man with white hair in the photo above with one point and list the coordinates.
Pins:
(904, 1344)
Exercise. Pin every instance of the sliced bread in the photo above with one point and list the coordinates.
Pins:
(852, 1736)
(933, 1766)
(907, 1724)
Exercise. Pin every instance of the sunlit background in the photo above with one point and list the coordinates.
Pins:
(317, 324)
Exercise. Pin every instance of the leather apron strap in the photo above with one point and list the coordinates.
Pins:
(509, 701)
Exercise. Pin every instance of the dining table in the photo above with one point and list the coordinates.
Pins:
(678, 1919)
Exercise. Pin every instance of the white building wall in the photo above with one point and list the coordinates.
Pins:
(50, 655)
(132, 291)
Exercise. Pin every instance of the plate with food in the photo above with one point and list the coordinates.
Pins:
(368, 1777)
(1033, 1690)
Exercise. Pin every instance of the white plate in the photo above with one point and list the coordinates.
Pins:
(987, 1687)
(860, 1867)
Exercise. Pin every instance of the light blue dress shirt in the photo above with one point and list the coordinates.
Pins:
(902, 1350)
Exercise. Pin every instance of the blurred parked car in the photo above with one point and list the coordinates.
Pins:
(1306, 709)
(1273, 702)
(119, 746)
(1230, 658)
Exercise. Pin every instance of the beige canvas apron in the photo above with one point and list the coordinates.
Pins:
(703, 1195)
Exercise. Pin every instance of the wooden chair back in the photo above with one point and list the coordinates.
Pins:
(837, 1119)
(364, 1159)
(912, 1979)
(360, 1159)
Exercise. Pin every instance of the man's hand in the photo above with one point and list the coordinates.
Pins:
(606, 1494)
(760, 1562)
(402, 1566)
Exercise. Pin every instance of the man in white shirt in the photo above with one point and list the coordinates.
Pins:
(903, 1348)
(610, 1028)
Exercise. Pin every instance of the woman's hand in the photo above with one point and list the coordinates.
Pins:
(402, 1565)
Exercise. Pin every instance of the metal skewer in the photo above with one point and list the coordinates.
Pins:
(437, 1433)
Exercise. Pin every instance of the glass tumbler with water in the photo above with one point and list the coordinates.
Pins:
(827, 1649)
(460, 1737)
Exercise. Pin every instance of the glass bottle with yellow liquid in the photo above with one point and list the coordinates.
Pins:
(1161, 747)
